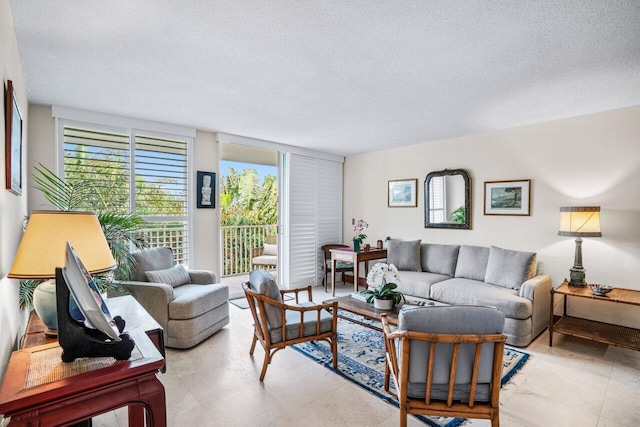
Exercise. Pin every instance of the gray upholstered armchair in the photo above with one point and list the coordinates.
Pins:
(447, 361)
(188, 304)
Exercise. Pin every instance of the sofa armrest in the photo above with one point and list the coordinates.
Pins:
(202, 277)
(538, 291)
(154, 297)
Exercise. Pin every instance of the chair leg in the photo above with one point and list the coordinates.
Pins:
(403, 416)
(495, 420)
(387, 374)
(253, 343)
(334, 350)
(265, 364)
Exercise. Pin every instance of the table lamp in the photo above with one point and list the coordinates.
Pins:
(579, 222)
(43, 248)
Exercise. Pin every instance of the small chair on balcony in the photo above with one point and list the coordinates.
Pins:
(267, 255)
(188, 304)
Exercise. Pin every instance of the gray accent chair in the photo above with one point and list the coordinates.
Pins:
(446, 361)
(278, 325)
(188, 304)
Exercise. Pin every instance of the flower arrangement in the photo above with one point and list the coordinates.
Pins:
(382, 278)
(358, 229)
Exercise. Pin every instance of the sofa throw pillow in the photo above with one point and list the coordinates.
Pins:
(270, 249)
(509, 268)
(174, 276)
(472, 262)
(405, 255)
(440, 259)
(262, 282)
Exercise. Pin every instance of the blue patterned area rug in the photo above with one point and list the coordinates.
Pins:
(361, 361)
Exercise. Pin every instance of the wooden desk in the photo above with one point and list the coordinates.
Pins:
(126, 307)
(356, 258)
(621, 336)
(41, 390)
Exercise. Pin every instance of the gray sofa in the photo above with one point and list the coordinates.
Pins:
(475, 275)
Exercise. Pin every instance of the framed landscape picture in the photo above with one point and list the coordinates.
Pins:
(507, 197)
(403, 193)
(13, 141)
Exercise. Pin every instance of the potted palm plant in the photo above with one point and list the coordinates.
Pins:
(117, 227)
(382, 291)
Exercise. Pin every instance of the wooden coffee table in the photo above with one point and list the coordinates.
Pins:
(368, 311)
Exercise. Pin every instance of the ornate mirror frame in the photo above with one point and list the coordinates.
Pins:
(466, 225)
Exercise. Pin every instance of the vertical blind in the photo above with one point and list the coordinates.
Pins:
(315, 214)
(148, 177)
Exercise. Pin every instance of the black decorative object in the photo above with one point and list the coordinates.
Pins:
(206, 189)
(77, 340)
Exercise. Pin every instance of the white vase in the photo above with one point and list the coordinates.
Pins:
(383, 304)
(45, 304)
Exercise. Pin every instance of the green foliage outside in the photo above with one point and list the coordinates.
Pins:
(244, 201)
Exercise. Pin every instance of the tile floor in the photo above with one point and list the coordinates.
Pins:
(573, 383)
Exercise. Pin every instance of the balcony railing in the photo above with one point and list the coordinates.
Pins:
(237, 242)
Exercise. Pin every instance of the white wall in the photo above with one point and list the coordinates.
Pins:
(588, 160)
(13, 208)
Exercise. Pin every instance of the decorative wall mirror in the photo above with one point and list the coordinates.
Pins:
(447, 199)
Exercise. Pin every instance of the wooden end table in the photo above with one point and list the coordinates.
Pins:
(607, 333)
(41, 390)
(356, 258)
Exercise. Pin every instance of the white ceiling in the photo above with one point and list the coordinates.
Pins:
(338, 76)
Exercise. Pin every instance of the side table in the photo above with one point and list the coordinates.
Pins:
(41, 390)
(607, 333)
(125, 306)
(356, 258)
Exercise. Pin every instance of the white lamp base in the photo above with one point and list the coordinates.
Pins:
(45, 304)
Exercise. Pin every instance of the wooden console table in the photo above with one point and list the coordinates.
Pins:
(356, 258)
(41, 390)
(607, 333)
(126, 307)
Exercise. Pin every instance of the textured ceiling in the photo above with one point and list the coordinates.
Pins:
(338, 76)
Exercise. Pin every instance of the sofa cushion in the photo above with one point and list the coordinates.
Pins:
(405, 255)
(270, 249)
(262, 282)
(265, 260)
(148, 260)
(508, 268)
(472, 292)
(194, 300)
(472, 262)
(439, 259)
(418, 283)
(174, 276)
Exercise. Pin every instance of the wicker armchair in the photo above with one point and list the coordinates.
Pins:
(278, 325)
(446, 361)
(266, 255)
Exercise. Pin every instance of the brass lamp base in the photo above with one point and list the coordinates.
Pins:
(577, 277)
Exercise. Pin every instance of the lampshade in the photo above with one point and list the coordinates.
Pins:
(580, 221)
(43, 244)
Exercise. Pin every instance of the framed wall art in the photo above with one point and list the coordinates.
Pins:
(206, 189)
(403, 193)
(13, 141)
(507, 197)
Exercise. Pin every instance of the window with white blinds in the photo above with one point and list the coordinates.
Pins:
(133, 171)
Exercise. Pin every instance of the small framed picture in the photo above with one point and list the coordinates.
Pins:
(403, 193)
(507, 197)
(13, 141)
(206, 189)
